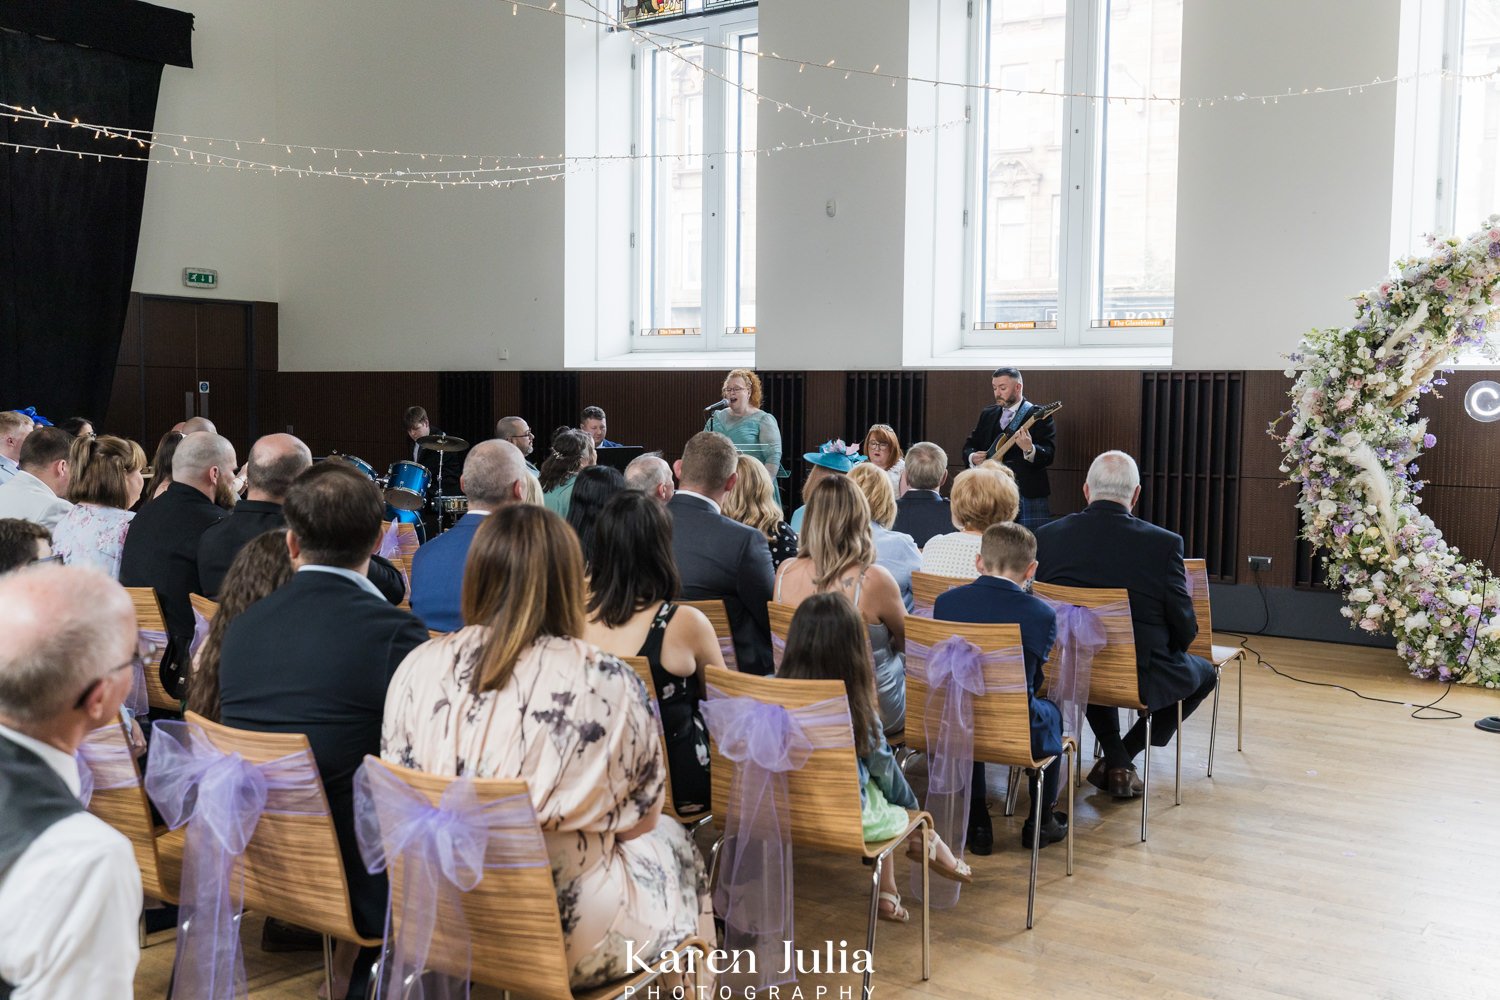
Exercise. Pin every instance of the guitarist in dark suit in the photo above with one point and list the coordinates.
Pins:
(1032, 452)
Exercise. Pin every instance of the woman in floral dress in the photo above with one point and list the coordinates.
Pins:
(513, 695)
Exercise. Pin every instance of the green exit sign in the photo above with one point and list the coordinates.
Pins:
(200, 277)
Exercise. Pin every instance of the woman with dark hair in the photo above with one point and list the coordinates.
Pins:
(76, 426)
(259, 568)
(104, 484)
(631, 613)
(592, 489)
(827, 643)
(515, 694)
(572, 452)
(161, 463)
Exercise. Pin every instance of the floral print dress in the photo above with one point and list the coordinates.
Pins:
(576, 724)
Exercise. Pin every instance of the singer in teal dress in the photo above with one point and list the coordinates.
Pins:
(753, 430)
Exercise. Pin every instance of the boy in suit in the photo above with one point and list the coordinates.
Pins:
(1006, 564)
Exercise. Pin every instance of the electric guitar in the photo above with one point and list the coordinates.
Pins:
(1006, 439)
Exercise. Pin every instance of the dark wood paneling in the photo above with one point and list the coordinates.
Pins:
(660, 414)
(1465, 515)
(265, 317)
(466, 401)
(1265, 399)
(358, 413)
(507, 389)
(550, 400)
(221, 334)
(124, 416)
(1467, 452)
(1267, 527)
(894, 398)
(229, 404)
(171, 333)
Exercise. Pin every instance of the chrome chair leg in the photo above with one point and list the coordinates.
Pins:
(874, 915)
(1239, 729)
(1012, 789)
(1071, 750)
(926, 915)
(328, 963)
(1146, 781)
(713, 862)
(1036, 843)
(1178, 738)
(1213, 726)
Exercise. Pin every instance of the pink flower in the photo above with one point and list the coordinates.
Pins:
(1441, 284)
(1343, 404)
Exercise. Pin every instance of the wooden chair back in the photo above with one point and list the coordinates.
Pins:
(515, 929)
(292, 867)
(403, 563)
(1113, 678)
(1197, 581)
(926, 588)
(204, 606)
(148, 617)
(824, 794)
(781, 625)
(129, 811)
(719, 619)
(406, 537)
(1002, 719)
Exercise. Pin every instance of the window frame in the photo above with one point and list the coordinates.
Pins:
(1080, 260)
(720, 36)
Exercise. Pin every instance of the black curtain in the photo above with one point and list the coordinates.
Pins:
(71, 224)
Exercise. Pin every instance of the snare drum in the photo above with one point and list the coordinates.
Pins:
(406, 485)
(455, 506)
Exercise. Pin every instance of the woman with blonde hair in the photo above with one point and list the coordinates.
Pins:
(897, 552)
(106, 482)
(883, 448)
(531, 491)
(981, 497)
(753, 502)
(515, 694)
(753, 430)
(837, 555)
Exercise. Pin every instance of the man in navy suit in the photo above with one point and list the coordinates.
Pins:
(922, 511)
(716, 557)
(1006, 564)
(494, 474)
(1104, 545)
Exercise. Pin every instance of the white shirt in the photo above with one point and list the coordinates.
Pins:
(70, 904)
(8, 469)
(952, 555)
(28, 498)
(347, 574)
(712, 503)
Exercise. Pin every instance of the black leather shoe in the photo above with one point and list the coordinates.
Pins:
(1054, 829)
(1099, 776)
(1125, 783)
(278, 935)
(981, 840)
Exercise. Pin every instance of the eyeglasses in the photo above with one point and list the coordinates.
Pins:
(524, 434)
(143, 654)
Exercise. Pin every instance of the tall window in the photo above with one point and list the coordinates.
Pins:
(1476, 186)
(1073, 220)
(695, 232)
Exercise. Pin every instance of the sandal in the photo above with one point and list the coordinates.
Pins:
(959, 872)
(897, 913)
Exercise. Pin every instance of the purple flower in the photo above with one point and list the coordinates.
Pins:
(1472, 611)
(1429, 543)
(1495, 249)
(1428, 440)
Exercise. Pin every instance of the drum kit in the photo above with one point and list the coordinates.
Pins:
(407, 485)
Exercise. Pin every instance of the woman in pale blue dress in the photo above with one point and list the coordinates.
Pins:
(753, 430)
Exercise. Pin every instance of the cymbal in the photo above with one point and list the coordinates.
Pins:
(442, 442)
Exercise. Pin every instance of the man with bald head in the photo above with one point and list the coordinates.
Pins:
(70, 891)
(519, 433)
(275, 460)
(161, 549)
(651, 475)
(197, 425)
(494, 474)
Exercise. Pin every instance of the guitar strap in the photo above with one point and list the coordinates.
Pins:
(1021, 412)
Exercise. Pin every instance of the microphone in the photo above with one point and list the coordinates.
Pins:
(722, 404)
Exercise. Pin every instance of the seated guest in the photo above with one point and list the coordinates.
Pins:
(1104, 545)
(596, 485)
(518, 432)
(594, 423)
(161, 548)
(14, 426)
(717, 558)
(827, 642)
(105, 481)
(631, 613)
(833, 458)
(651, 475)
(494, 474)
(198, 425)
(531, 491)
(70, 891)
(512, 695)
(161, 463)
(76, 426)
(753, 502)
(275, 461)
(572, 452)
(893, 550)
(838, 555)
(1006, 565)
(22, 543)
(37, 491)
(921, 511)
(316, 655)
(981, 497)
(260, 567)
(884, 450)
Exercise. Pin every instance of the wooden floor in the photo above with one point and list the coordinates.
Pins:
(1349, 851)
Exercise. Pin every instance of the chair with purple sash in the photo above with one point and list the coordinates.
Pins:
(780, 616)
(472, 897)
(785, 774)
(926, 588)
(717, 617)
(115, 794)
(290, 866)
(967, 701)
(642, 668)
(146, 689)
(1220, 656)
(1113, 677)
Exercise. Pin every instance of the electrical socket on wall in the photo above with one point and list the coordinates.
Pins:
(1258, 563)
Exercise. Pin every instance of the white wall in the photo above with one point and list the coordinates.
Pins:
(1283, 209)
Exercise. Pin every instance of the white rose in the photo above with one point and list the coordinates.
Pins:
(1417, 622)
(1351, 440)
(1458, 596)
(1361, 595)
(1327, 508)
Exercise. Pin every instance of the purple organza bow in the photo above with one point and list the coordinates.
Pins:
(920, 610)
(726, 649)
(1081, 633)
(764, 741)
(139, 699)
(200, 632)
(956, 671)
(105, 762)
(444, 851)
(390, 542)
(221, 798)
(778, 650)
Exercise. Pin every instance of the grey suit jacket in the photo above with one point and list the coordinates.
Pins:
(719, 558)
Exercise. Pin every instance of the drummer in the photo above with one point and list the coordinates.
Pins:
(419, 426)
